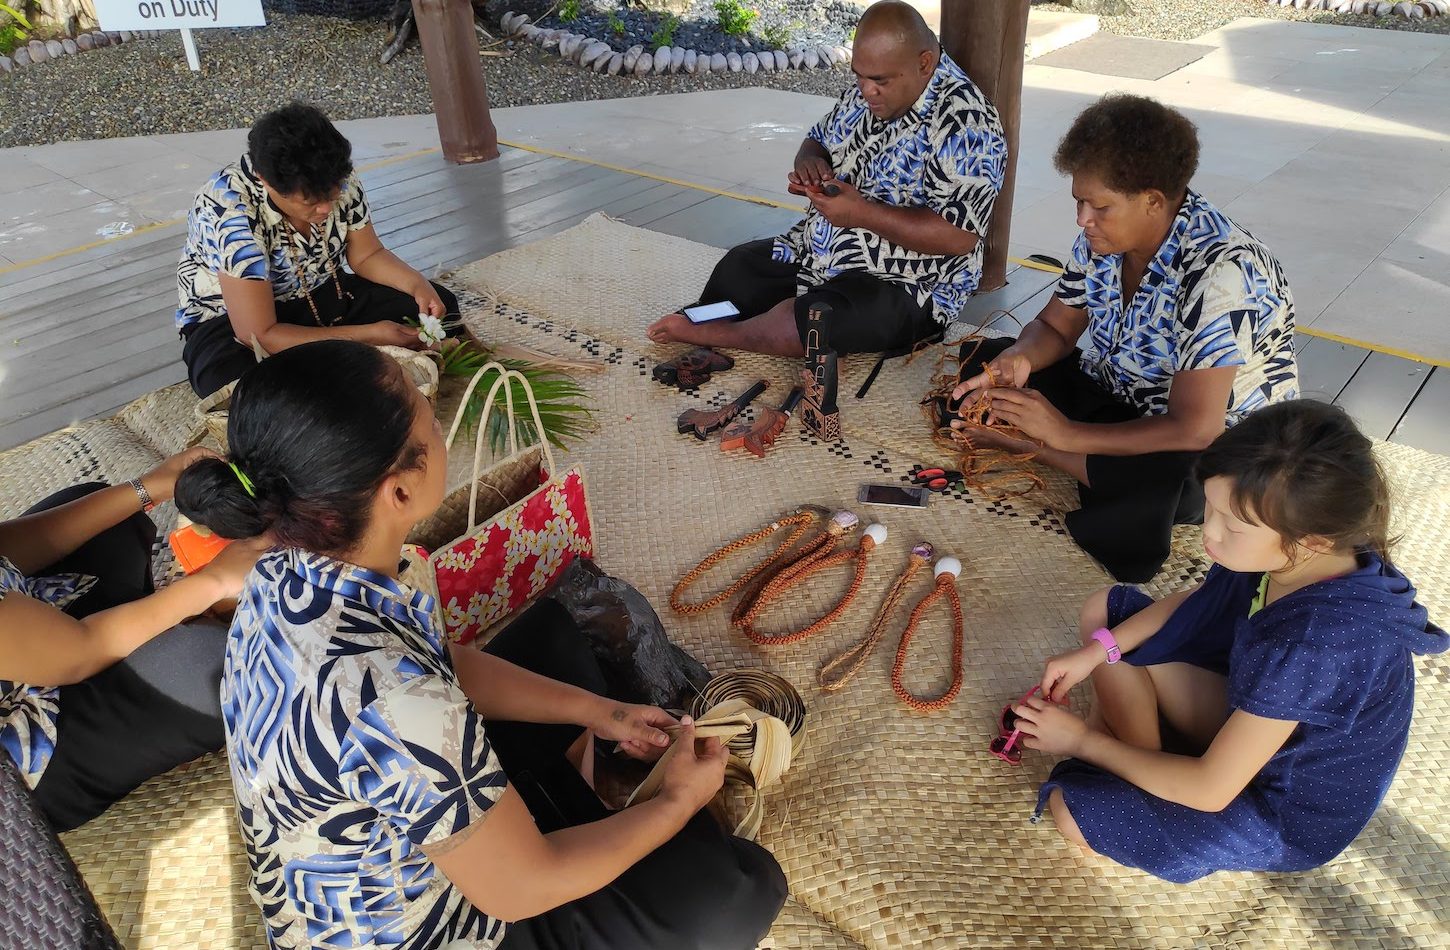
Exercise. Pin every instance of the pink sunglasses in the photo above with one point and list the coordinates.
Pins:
(1005, 746)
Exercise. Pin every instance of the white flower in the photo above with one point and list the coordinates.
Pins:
(430, 329)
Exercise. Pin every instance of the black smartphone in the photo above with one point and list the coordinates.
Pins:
(899, 496)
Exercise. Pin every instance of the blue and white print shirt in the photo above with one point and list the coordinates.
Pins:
(28, 714)
(1213, 296)
(947, 153)
(234, 229)
(352, 746)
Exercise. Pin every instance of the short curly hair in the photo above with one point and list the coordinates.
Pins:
(1133, 144)
(298, 151)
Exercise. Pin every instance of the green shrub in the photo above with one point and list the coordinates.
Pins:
(777, 35)
(14, 29)
(615, 24)
(664, 34)
(735, 17)
(569, 11)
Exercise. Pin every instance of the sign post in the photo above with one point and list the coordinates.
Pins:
(183, 15)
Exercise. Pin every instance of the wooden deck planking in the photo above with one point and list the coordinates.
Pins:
(1381, 391)
(59, 368)
(1426, 423)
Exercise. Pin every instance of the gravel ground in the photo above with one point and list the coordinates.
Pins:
(144, 87)
(1189, 19)
(807, 22)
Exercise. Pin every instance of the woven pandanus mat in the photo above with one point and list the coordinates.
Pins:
(895, 829)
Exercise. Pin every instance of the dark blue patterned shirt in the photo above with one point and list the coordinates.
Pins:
(947, 153)
(234, 229)
(1213, 296)
(352, 746)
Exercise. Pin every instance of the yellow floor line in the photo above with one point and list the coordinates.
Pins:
(679, 182)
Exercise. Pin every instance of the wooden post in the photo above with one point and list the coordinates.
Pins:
(988, 39)
(455, 79)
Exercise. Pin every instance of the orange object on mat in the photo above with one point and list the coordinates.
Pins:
(194, 546)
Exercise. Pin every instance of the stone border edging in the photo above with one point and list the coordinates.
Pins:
(596, 55)
(39, 51)
(1409, 9)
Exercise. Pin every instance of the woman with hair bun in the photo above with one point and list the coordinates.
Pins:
(1185, 325)
(396, 790)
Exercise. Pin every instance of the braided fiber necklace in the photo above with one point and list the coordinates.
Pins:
(824, 557)
(800, 522)
(839, 671)
(297, 271)
(947, 570)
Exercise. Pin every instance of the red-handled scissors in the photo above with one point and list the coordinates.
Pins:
(936, 479)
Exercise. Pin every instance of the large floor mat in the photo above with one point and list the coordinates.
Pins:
(895, 829)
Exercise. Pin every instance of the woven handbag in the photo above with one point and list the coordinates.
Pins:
(528, 520)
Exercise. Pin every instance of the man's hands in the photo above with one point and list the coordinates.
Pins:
(810, 173)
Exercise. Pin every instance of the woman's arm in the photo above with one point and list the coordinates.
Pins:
(510, 871)
(1046, 340)
(43, 646)
(253, 315)
(1208, 782)
(35, 542)
(371, 261)
(1197, 404)
(501, 690)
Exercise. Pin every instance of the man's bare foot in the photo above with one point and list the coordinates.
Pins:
(984, 437)
(671, 328)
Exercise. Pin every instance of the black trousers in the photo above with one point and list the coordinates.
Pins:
(868, 314)
(1131, 502)
(704, 889)
(214, 358)
(143, 716)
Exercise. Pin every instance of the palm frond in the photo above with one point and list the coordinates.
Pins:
(563, 403)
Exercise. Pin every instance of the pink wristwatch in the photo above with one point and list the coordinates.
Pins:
(1105, 636)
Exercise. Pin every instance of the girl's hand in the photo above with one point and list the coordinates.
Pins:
(160, 482)
(639, 730)
(229, 569)
(1049, 728)
(1066, 670)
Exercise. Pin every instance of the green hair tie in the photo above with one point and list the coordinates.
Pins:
(247, 485)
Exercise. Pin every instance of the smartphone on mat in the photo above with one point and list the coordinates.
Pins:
(899, 496)
(706, 312)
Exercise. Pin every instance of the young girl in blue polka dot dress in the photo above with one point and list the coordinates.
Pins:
(1283, 684)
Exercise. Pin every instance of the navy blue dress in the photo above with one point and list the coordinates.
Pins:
(1336, 657)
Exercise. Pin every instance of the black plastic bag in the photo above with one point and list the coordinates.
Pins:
(641, 663)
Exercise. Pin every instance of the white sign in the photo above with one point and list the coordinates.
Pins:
(183, 15)
(115, 15)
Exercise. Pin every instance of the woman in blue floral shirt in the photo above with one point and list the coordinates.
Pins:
(266, 244)
(105, 681)
(1185, 323)
(396, 791)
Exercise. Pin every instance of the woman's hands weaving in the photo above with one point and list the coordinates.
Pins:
(639, 730)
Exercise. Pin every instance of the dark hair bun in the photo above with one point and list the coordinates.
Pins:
(209, 493)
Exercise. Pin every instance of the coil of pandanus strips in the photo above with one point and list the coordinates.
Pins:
(771, 694)
(992, 473)
(838, 671)
(800, 522)
(749, 610)
(947, 570)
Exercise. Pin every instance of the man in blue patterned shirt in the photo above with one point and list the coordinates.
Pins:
(901, 176)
